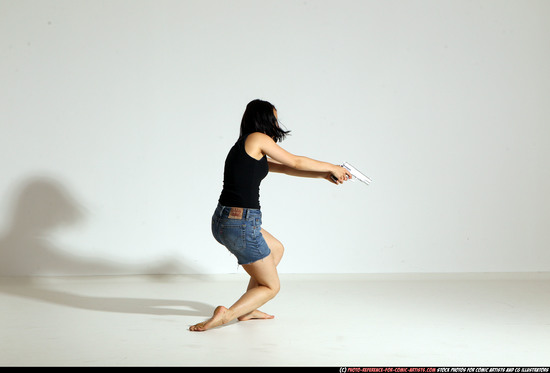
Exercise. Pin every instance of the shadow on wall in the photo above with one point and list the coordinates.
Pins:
(41, 207)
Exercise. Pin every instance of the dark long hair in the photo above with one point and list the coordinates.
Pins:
(259, 117)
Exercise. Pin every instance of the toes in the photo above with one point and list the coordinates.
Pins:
(197, 327)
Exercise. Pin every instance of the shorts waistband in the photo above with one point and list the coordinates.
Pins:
(247, 213)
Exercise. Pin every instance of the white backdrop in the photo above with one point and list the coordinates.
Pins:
(116, 117)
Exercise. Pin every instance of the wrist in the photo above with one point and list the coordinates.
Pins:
(333, 168)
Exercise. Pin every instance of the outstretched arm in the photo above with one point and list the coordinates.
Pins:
(290, 164)
(278, 167)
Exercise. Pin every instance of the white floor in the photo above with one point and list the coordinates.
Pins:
(321, 320)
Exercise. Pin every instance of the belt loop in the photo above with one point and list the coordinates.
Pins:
(247, 213)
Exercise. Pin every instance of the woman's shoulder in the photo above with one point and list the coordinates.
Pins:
(253, 144)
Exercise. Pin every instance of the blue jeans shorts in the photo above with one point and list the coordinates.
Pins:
(240, 234)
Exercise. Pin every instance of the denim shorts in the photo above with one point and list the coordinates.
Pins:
(242, 237)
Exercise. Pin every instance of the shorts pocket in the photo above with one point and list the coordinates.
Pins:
(233, 236)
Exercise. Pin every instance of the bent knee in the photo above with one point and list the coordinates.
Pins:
(278, 251)
(274, 289)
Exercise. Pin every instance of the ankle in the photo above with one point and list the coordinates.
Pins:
(228, 316)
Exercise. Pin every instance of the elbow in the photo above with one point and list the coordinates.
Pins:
(298, 163)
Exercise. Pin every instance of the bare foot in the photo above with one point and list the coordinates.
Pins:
(257, 314)
(217, 319)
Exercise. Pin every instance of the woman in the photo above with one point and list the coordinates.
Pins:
(236, 223)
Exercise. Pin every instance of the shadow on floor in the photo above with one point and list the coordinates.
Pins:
(30, 289)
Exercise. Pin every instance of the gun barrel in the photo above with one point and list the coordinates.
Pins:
(356, 173)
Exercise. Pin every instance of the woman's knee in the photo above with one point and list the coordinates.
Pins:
(281, 248)
(274, 245)
(276, 287)
(273, 285)
(278, 251)
(264, 273)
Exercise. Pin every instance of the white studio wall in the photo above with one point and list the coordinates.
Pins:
(116, 117)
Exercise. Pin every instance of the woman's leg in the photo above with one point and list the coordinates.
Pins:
(277, 250)
(274, 245)
(264, 273)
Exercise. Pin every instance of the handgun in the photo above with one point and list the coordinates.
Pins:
(355, 173)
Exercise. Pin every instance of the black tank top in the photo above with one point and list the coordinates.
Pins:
(242, 177)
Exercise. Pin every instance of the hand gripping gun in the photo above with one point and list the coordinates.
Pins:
(355, 173)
